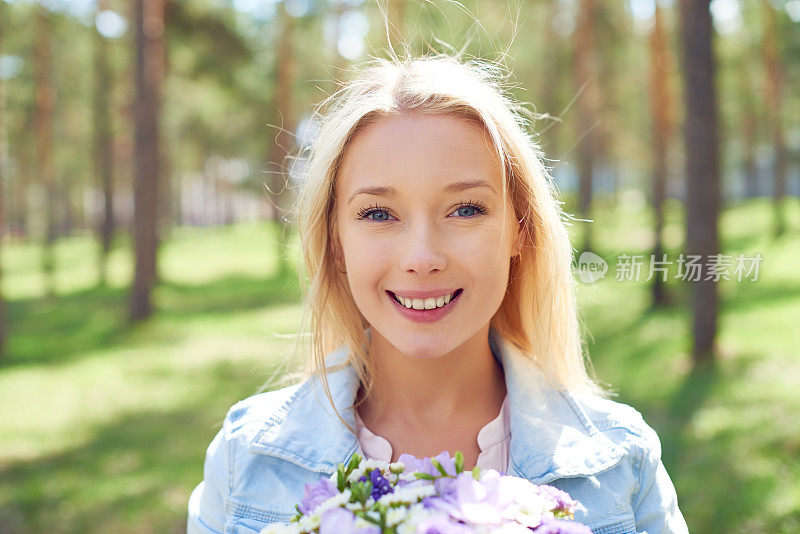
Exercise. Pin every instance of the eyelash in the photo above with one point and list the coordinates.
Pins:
(479, 207)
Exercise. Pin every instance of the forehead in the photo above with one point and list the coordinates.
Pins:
(416, 151)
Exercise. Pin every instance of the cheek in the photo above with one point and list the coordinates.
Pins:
(367, 260)
(481, 254)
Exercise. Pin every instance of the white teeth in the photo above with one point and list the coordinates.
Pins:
(424, 304)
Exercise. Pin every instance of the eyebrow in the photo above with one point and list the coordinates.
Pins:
(455, 187)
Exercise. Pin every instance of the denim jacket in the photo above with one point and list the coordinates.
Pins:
(599, 451)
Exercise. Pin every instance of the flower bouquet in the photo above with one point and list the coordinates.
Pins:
(432, 495)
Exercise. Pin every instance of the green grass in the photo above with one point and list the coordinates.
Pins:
(730, 434)
(105, 424)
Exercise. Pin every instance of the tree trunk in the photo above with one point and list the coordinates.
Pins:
(149, 23)
(165, 213)
(775, 103)
(17, 215)
(749, 133)
(103, 149)
(550, 82)
(64, 190)
(702, 170)
(661, 109)
(284, 140)
(3, 159)
(587, 111)
(45, 105)
(285, 121)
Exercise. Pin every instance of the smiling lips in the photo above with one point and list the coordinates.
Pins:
(427, 303)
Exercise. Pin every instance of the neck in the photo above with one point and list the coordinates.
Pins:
(431, 391)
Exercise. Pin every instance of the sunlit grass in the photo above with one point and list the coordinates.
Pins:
(730, 435)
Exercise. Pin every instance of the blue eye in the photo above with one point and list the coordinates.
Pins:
(378, 215)
(374, 213)
(466, 211)
(470, 209)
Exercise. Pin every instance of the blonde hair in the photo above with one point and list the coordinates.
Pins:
(538, 314)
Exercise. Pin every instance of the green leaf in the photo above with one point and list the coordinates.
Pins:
(341, 478)
(355, 460)
(367, 489)
(459, 462)
(439, 467)
(476, 473)
(425, 476)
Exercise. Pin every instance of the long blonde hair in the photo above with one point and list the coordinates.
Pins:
(538, 314)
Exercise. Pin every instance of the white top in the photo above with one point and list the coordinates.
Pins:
(493, 441)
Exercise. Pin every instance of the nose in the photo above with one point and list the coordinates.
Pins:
(421, 249)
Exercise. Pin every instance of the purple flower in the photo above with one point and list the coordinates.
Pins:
(380, 485)
(317, 493)
(560, 499)
(557, 526)
(341, 521)
(441, 524)
(466, 499)
(336, 521)
(425, 465)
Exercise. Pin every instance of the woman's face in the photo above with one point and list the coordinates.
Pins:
(419, 219)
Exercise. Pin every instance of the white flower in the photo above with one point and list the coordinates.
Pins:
(308, 523)
(334, 502)
(397, 467)
(363, 524)
(396, 515)
(414, 516)
(408, 494)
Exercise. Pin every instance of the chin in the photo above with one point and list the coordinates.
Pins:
(428, 349)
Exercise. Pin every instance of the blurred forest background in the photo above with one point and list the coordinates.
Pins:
(148, 265)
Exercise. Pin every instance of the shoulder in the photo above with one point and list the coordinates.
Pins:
(261, 407)
(653, 497)
(621, 423)
(248, 416)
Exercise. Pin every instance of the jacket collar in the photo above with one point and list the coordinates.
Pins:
(306, 430)
(551, 435)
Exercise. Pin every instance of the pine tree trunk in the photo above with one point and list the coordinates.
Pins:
(587, 112)
(661, 109)
(149, 23)
(45, 105)
(103, 149)
(284, 140)
(3, 159)
(702, 170)
(550, 81)
(775, 103)
(165, 213)
(25, 175)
